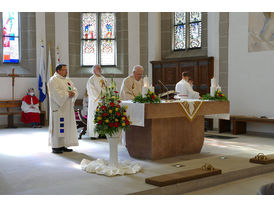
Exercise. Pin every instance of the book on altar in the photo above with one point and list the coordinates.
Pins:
(167, 93)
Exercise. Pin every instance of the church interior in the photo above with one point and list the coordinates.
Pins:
(234, 48)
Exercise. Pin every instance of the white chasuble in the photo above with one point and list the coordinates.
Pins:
(131, 88)
(95, 85)
(62, 124)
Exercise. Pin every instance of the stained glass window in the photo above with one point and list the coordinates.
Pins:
(180, 37)
(89, 50)
(98, 39)
(10, 37)
(195, 30)
(180, 18)
(180, 30)
(187, 30)
(89, 26)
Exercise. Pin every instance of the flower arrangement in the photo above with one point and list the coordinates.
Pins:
(110, 117)
(150, 97)
(219, 96)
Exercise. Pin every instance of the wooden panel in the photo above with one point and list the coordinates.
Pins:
(169, 73)
(201, 70)
(183, 176)
(157, 75)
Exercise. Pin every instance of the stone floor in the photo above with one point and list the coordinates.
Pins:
(29, 167)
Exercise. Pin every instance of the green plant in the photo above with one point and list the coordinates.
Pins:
(219, 96)
(110, 117)
(150, 97)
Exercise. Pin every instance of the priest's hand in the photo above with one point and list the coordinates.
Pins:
(71, 94)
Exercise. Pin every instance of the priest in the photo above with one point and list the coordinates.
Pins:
(30, 109)
(132, 85)
(62, 124)
(184, 89)
(95, 85)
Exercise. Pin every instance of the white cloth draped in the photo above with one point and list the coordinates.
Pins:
(102, 167)
(136, 112)
(95, 85)
(62, 124)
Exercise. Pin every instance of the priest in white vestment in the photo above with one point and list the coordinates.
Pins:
(133, 84)
(184, 89)
(95, 85)
(62, 124)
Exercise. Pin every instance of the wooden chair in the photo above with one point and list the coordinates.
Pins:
(81, 122)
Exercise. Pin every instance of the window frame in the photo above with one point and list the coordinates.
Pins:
(99, 40)
(19, 41)
(187, 33)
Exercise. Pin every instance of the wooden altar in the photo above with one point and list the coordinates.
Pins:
(168, 132)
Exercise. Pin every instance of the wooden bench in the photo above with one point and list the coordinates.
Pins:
(224, 125)
(239, 122)
(10, 105)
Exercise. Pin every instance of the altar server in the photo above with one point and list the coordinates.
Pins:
(184, 89)
(62, 124)
(95, 85)
(132, 85)
(30, 109)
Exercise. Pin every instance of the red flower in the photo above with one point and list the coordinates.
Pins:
(100, 122)
(116, 92)
(116, 124)
(103, 97)
(105, 114)
(119, 101)
(103, 107)
(152, 96)
(127, 122)
(118, 114)
(111, 124)
(118, 105)
(111, 104)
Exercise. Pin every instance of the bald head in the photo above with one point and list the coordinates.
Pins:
(138, 72)
(96, 69)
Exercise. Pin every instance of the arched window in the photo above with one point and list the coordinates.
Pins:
(98, 39)
(11, 41)
(187, 30)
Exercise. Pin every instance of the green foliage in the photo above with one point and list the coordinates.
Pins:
(150, 97)
(219, 96)
(110, 117)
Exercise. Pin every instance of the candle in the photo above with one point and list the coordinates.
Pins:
(213, 82)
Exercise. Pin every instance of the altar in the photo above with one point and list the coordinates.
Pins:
(169, 130)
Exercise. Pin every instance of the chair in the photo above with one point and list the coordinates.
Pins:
(81, 121)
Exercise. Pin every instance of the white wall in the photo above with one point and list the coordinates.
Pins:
(213, 40)
(154, 40)
(213, 46)
(250, 75)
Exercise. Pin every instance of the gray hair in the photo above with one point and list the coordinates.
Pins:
(94, 67)
(137, 66)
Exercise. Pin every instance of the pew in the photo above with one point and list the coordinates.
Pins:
(11, 105)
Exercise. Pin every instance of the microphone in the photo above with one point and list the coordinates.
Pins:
(164, 87)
